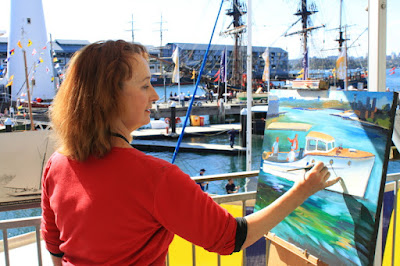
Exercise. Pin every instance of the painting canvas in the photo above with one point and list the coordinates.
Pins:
(23, 155)
(350, 132)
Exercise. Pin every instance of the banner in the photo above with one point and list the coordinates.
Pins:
(175, 59)
(266, 73)
(341, 65)
(223, 66)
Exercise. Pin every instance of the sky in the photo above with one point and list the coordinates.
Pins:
(192, 21)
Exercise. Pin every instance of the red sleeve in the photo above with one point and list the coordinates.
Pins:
(50, 232)
(184, 209)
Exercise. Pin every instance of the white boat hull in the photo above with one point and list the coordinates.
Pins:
(355, 172)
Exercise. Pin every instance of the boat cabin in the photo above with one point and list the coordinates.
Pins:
(319, 142)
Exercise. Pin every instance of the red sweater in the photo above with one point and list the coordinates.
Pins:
(125, 209)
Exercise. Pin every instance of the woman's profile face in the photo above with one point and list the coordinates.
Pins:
(138, 95)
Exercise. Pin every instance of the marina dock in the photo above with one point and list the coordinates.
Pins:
(189, 131)
(163, 145)
(144, 139)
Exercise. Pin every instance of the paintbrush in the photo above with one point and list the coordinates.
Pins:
(307, 167)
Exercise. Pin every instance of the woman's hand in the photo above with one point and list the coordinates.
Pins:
(316, 179)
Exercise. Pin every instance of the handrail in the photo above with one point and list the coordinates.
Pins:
(391, 185)
(16, 223)
(226, 176)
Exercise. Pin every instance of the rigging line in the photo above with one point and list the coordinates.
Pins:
(195, 89)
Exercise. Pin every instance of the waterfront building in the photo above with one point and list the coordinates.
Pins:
(161, 65)
(191, 56)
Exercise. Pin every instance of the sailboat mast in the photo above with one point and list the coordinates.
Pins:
(304, 13)
(161, 62)
(304, 17)
(340, 40)
(236, 12)
(28, 91)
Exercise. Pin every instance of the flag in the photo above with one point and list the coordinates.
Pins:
(175, 59)
(34, 51)
(23, 94)
(19, 44)
(217, 75)
(57, 65)
(40, 60)
(12, 51)
(29, 43)
(391, 71)
(47, 70)
(193, 74)
(55, 59)
(266, 73)
(341, 65)
(44, 47)
(305, 65)
(10, 82)
(301, 74)
(223, 66)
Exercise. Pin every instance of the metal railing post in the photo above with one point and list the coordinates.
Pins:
(394, 220)
(38, 245)
(193, 255)
(5, 244)
(244, 262)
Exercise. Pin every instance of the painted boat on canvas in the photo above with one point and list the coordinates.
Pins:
(353, 166)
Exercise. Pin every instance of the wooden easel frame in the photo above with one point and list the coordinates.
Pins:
(279, 253)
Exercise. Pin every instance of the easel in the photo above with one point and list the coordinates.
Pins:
(280, 253)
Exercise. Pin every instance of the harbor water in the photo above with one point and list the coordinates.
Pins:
(191, 163)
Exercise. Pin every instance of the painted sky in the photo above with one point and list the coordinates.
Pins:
(191, 21)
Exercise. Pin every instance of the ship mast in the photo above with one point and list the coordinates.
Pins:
(341, 40)
(304, 13)
(236, 12)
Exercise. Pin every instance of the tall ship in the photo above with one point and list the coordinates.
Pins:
(341, 77)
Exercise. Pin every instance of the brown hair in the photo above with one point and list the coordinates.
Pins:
(87, 102)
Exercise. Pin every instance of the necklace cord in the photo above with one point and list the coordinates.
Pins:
(120, 136)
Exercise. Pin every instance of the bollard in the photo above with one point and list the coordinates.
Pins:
(243, 125)
(173, 121)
